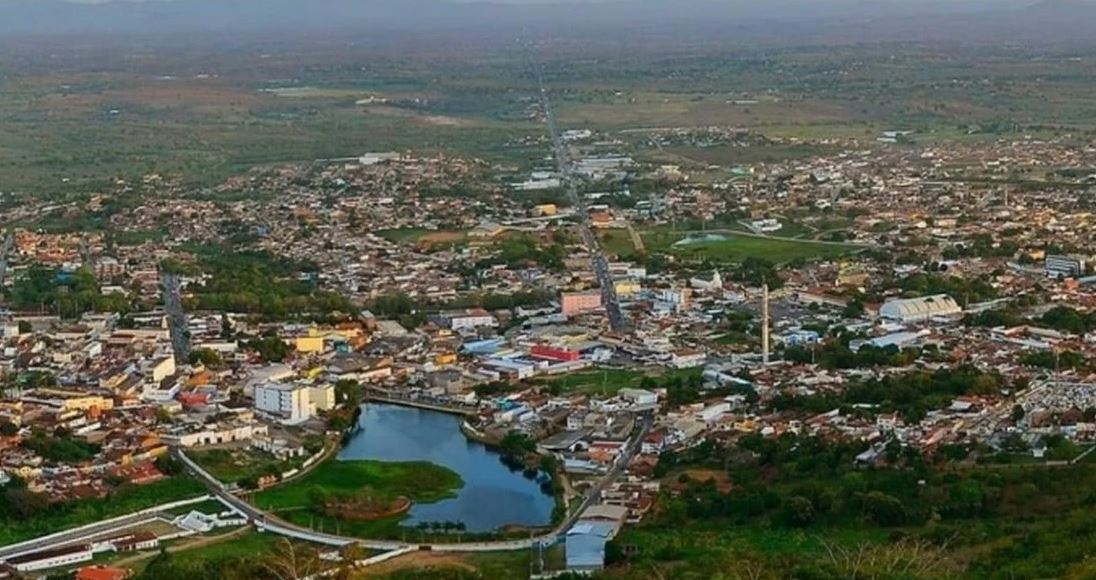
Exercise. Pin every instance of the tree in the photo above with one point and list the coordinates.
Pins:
(798, 511)
(883, 509)
(348, 392)
(1017, 413)
(270, 348)
(25, 503)
(168, 465)
(207, 356)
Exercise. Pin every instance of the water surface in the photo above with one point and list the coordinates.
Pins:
(493, 496)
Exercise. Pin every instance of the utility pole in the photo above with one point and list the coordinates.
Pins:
(765, 324)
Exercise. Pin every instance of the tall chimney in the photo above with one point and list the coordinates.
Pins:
(765, 324)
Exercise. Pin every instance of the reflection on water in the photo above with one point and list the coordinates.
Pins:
(493, 495)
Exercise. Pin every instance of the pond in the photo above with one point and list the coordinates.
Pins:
(493, 495)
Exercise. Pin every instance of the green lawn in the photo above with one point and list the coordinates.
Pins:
(125, 500)
(737, 247)
(609, 382)
(420, 481)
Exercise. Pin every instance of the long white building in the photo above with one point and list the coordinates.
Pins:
(917, 309)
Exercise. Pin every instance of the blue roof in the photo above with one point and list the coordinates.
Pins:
(586, 544)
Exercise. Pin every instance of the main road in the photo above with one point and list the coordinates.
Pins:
(609, 297)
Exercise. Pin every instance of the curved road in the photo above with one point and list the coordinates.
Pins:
(268, 522)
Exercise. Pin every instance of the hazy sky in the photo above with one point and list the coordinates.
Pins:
(899, 18)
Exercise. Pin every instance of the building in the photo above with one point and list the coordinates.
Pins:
(472, 318)
(554, 354)
(573, 303)
(56, 558)
(627, 288)
(918, 309)
(677, 299)
(292, 403)
(310, 344)
(217, 435)
(585, 545)
(713, 284)
(688, 358)
(1064, 266)
(639, 396)
(322, 396)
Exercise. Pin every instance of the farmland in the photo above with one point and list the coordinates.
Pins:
(88, 121)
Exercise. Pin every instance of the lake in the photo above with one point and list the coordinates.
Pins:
(493, 496)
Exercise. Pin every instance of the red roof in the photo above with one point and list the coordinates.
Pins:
(101, 573)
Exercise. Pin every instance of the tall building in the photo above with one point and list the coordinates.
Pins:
(292, 403)
(573, 303)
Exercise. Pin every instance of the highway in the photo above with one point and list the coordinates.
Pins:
(609, 297)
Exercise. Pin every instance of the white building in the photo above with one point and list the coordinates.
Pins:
(292, 403)
(639, 396)
(917, 309)
(217, 435)
(66, 556)
(687, 358)
(474, 318)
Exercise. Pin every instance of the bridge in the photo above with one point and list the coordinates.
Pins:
(430, 404)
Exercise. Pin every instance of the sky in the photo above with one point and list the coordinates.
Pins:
(928, 18)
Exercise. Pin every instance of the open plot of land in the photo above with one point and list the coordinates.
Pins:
(235, 465)
(500, 565)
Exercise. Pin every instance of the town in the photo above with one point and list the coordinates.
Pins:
(206, 350)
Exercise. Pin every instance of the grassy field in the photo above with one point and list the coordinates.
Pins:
(608, 382)
(210, 506)
(735, 248)
(422, 236)
(420, 565)
(738, 247)
(421, 482)
(124, 501)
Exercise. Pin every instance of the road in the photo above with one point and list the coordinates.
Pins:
(609, 298)
(5, 251)
(270, 523)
